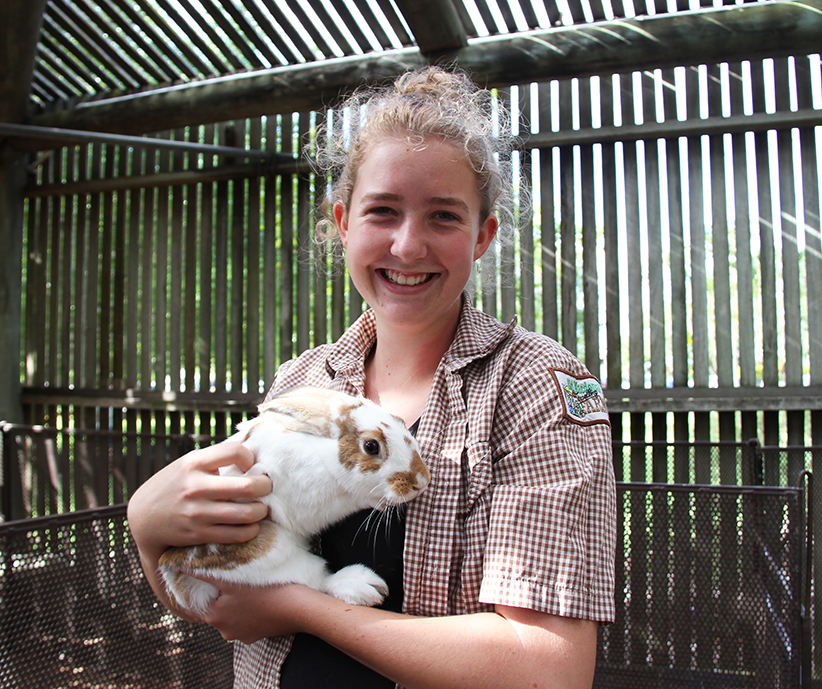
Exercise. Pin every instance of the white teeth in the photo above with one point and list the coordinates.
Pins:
(401, 279)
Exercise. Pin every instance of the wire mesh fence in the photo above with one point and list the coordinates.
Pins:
(76, 611)
(710, 587)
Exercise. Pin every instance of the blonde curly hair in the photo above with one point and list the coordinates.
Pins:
(424, 103)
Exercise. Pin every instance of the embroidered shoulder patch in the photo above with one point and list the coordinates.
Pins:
(583, 398)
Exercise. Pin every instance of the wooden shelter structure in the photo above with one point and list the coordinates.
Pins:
(156, 206)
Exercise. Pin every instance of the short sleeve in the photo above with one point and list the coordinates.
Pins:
(552, 535)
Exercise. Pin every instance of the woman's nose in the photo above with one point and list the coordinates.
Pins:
(409, 242)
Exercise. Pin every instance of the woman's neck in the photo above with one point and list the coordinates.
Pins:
(401, 368)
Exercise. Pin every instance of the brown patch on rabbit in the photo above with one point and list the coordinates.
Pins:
(222, 555)
(407, 482)
(365, 451)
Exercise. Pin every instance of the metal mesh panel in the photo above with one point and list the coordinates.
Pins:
(76, 611)
(708, 589)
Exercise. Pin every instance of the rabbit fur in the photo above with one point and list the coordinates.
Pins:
(328, 455)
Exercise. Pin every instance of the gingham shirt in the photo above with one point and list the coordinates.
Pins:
(521, 508)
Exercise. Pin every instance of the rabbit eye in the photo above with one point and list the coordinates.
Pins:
(371, 447)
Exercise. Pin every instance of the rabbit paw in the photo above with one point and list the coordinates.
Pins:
(358, 585)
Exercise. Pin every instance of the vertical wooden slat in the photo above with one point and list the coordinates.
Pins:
(699, 279)
(221, 284)
(220, 289)
(767, 264)
(547, 232)
(66, 339)
(567, 225)
(119, 447)
(304, 268)
(507, 261)
(320, 256)
(207, 267)
(51, 261)
(106, 269)
(568, 251)
(175, 289)
(253, 268)
(190, 279)
(790, 265)
(589, 184)
(720, 251)
(527, 297)
(36, 287)
(655, 279)
(286, 197)
(118, 323)
(235, 136)
(613, 302)
(270, 281)
(809, 143)
(744, 259)
(134, 244)
(161, 275)
(676, 247)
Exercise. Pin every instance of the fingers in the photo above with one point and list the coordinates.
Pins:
(213, 457)
(238, 513)
(210, 459)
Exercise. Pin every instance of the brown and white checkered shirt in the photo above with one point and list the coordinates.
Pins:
(521, 509)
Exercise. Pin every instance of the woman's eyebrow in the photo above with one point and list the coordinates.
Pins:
(448, 201)
(378, 196)
(370, 197)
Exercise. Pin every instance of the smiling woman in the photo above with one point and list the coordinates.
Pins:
(501, 570)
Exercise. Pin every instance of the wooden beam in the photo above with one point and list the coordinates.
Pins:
(19, 31)
(20, 22)
(435, 25)
(156, 400)
(630, 400)
(803, 398)
(30, 138)
(205, 175)
(738, 32)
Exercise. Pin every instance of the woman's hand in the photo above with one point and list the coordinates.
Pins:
(189, 503)
(250, 613)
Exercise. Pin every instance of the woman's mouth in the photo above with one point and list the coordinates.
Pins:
(406, 279)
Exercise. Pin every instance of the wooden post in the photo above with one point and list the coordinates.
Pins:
(19, 30)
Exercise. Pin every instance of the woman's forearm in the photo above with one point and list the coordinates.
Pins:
(470, 651)
(510, 647)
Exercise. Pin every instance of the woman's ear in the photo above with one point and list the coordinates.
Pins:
(341, 221)
(486, 235)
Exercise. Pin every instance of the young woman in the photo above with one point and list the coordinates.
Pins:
(503, 568)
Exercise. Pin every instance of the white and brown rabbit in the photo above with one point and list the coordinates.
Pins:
(329, 455)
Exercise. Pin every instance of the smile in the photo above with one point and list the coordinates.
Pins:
(402, 279)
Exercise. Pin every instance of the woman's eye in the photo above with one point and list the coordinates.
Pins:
(447, 216)
(380, 210)
(371, 447)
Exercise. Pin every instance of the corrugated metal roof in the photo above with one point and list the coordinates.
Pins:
(89, 49)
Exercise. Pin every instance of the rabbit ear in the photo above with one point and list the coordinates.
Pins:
(306, 410)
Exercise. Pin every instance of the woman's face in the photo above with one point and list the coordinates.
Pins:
(413, 231)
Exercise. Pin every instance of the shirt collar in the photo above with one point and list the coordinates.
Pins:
(478, 334)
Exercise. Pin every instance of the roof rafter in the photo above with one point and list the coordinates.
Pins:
(706, 37)
(435, 24)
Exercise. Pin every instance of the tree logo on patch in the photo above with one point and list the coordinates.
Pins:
(582, 397)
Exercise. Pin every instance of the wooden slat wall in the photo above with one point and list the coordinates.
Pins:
(662, 262)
